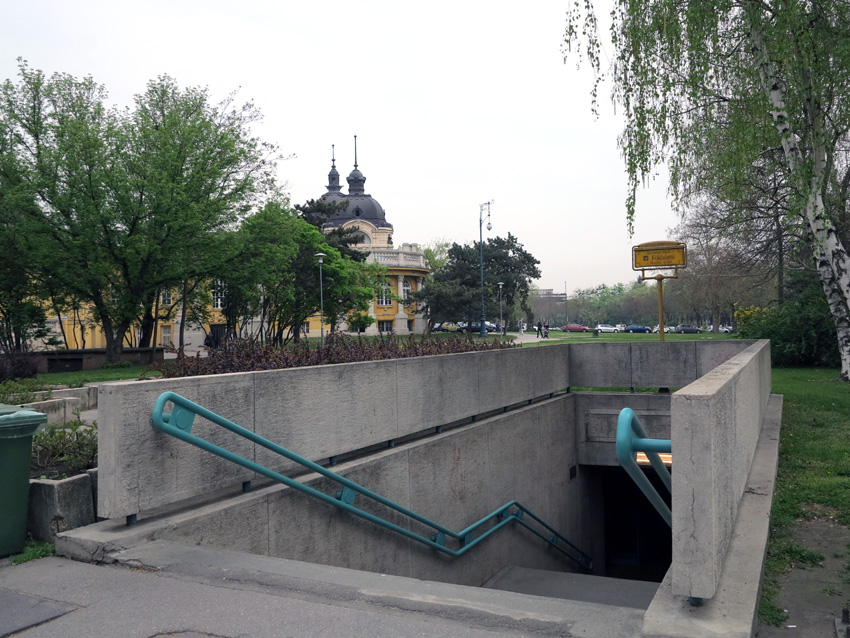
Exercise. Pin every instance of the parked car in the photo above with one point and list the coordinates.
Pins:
(451, 326)
(666, 328)
(723, 329)
(637, 328)
(686, 328)
(606, 327)
(621, 327)
(437, 327)
(575, 327)
(475, 327)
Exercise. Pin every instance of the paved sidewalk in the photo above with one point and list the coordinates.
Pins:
(171, 589)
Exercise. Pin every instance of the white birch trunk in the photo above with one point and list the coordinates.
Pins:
(831, 256)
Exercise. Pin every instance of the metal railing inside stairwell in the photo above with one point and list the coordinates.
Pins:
(632, 439)
(178, 423)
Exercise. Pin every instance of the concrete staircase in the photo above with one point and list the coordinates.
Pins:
(636, 594)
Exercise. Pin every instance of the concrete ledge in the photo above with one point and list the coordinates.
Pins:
(715, 425)
(58, 506)
(317, 412)
(731, 613)
(500, 611)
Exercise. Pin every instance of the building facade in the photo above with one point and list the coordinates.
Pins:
(393, 308)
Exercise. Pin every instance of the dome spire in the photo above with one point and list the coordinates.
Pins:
(333, 176)
(356, 181)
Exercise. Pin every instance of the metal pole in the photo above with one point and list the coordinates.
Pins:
(660, 281)
(566, 314)
(321, 257)
(501, 324)
(483, 329)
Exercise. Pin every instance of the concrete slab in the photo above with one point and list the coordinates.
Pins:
(22, 612)
(579, 587)
(171, 588)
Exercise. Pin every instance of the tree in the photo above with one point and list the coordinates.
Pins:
(124, 202)
(345, 240)
(774, 74)
(454, 291)
(271, 285)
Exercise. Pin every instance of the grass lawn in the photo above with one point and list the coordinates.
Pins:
(813, 479)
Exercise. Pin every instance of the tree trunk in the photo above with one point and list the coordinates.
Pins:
(183, 314)
(833, 262)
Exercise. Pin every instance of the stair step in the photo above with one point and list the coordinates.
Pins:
(619, 592)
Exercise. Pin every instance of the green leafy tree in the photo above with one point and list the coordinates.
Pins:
(756, 75)
(124, 199)
(454, 291)
(271, 285)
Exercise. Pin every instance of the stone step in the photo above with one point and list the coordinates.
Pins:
(636, 594)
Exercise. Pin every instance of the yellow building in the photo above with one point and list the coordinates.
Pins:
(406, 268)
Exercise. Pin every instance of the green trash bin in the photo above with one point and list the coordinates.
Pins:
(17, 427)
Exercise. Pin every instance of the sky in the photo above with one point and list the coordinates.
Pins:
(453, 103)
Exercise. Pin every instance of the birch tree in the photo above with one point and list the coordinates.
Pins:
(774, 73)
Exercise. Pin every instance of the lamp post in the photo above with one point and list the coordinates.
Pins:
(501, 325)
(566, 313)
(483, 331)
(321, 257)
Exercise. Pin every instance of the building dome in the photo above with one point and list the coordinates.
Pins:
(361, 205)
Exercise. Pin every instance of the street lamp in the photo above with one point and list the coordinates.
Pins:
(483, 332)
(321, 257)
(501, 325)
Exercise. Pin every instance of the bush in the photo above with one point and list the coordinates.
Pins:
(18, 365)
(60, 451)
(17, 391)
(800, 333)
(245, 355)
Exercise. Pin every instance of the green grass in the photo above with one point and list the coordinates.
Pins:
(34, 550)
(78, 379)
(623, 337)
(813, 478)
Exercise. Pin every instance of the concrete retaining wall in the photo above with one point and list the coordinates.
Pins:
(596, 415)
(668, 364)
(455, 479)
(318, 412)
(715, 426)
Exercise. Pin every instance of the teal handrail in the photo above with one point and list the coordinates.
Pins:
(631, 439)
(178, 423)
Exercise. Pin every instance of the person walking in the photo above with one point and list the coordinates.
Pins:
(539, 328)
(546, 330)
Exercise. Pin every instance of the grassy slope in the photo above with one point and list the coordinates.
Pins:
(814, 469)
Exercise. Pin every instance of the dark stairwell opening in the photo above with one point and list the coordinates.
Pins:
(638, 543)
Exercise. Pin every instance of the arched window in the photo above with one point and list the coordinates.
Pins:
(385, 295)
(218, 294)
(405, 291)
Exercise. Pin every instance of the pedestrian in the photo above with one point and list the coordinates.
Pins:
(539, 328)
(546, 330)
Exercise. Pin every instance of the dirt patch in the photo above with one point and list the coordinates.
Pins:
(813, 596)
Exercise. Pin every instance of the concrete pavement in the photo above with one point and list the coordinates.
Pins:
(172, 589)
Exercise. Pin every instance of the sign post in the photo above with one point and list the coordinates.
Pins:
(660, 255)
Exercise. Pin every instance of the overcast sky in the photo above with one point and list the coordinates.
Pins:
(454, 104)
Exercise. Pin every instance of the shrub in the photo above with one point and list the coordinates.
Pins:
(800, 333)
(60, 451)
(245, 355)
(17, 391)
(18, 365)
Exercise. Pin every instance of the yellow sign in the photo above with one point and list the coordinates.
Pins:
(659, 255)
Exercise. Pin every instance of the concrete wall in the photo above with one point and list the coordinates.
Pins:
(455, 478)
(715, 426)
(668, 364)
(326, 411)
(596, 415)
(317, 412)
